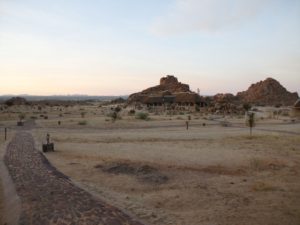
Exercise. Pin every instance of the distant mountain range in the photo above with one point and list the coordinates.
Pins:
(63, 97)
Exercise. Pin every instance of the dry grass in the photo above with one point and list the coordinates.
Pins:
(262, 186)
(205, 165)
(259, 165)
(216, 175)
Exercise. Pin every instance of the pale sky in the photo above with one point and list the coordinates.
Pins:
(116, 47)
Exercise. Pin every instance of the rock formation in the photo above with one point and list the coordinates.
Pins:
(169, 95)
(169, 85)
(268, 92)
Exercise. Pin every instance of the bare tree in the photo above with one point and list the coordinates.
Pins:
(250, 121)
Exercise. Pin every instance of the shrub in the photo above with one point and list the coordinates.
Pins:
(225, 124)
(82, 123)
(131, 112)
(142, 116)
(82, 114)
(247, 107)
(118, 109)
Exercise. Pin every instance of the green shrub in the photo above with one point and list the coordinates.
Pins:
(142, 116)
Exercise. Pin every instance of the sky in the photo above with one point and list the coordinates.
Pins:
(118, 47)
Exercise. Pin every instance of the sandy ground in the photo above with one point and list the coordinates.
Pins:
(216, 174)
(161, 173)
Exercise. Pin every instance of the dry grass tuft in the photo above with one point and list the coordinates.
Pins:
(259, 165)
(262, 186)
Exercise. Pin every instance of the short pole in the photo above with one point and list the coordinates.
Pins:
(5, 133)
(187, 124)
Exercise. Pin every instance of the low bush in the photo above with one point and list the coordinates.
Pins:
(82, 123)
(142, 116)
(131, 112)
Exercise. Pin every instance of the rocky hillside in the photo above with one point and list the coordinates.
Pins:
(168, 85)
(268, 92)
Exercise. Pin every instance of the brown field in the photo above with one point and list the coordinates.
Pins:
(161, 173)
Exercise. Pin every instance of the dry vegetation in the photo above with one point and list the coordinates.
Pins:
(161, 173)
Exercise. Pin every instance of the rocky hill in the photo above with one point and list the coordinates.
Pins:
(168, 85)
(268, 92)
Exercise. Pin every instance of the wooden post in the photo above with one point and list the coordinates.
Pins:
(5, 133)
(187, 124)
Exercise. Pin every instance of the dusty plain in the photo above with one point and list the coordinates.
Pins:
(161, 173)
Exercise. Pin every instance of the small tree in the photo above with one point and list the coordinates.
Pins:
(115, 113)
(114, 116)
(250, 121)
(247, 107)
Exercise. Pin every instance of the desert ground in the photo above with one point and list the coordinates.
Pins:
(161, 173)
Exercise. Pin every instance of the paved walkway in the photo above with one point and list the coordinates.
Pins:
(48, 196)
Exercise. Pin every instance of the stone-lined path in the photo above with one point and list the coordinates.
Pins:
(48, 196)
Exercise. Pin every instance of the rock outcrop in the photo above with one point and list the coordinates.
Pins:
(169, 85)
(268, 92)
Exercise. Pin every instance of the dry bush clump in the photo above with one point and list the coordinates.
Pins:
(258, 165)
(262, 186)
(142, 116)
(82, 123)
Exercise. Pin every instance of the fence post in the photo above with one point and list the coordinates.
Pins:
(5, 133)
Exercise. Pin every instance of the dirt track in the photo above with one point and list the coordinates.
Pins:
(48, 196)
